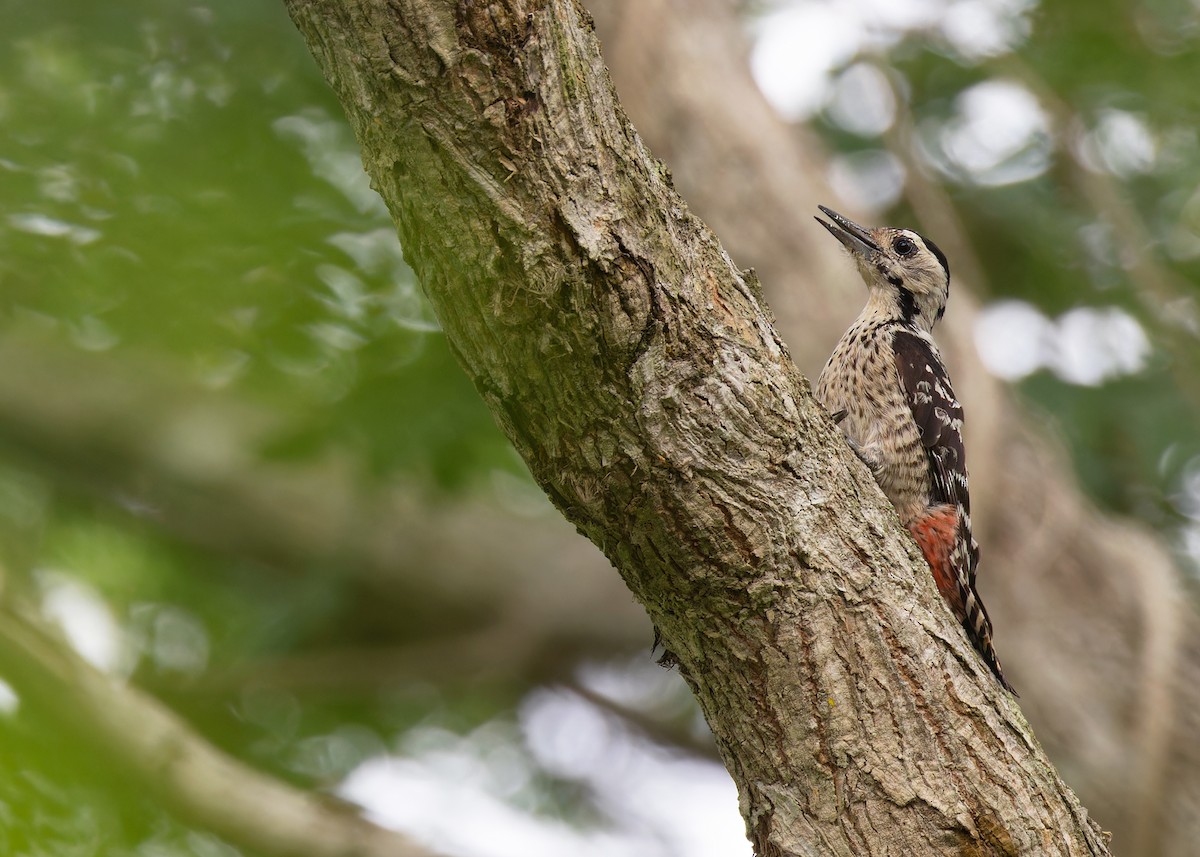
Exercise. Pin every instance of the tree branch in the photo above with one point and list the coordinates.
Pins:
(153, 747)
(636, 371)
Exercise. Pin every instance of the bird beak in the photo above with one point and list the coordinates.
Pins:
(857, 239)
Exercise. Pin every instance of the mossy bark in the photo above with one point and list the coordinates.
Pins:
(637, 372)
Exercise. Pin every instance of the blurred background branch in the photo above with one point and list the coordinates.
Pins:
(154, 751)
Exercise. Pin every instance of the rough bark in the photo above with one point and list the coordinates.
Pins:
(637, 372)
(1091, 621)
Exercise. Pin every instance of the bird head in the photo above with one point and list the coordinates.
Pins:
(906, 274)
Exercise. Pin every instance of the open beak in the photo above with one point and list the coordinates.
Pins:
(855, 237)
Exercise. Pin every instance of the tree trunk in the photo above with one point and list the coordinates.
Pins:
(636, 370)
(1090, 619)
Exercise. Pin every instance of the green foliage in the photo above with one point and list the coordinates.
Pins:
(181, 194)
(184, 190)
(56, 800)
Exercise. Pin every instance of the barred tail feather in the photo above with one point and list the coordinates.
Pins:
(979, 630)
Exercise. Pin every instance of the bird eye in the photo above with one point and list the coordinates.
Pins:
(904, 246)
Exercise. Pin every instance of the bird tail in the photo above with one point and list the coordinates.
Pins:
(949, 549)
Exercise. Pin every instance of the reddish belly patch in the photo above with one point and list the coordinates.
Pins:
(936, 533)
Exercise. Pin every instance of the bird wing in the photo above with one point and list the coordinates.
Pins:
(938, 417)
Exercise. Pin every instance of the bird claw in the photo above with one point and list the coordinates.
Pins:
(865, 457)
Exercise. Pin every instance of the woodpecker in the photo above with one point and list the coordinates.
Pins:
(888, 391)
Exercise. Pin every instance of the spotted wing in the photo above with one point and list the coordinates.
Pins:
(938, 416)
(936, 413)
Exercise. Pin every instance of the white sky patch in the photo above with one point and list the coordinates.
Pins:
(1187, 500)
(799, 44)
(979, 29)
(376, 251)
(332, 155)
(1190, 537)
(439, 799)
(890, 18)
(348, 296)
(1087, 345)
(9, 701)
(464, 794)
(635, 782)
(35, 223)
(1011, 338)
(795, 50)
(408, 309)
(863, 102)
(86, 621)
(572, 738)
(999, 135)
(639, 683)
(1121, 143)
(335, 336)
(868, 180)
(1095, 344)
